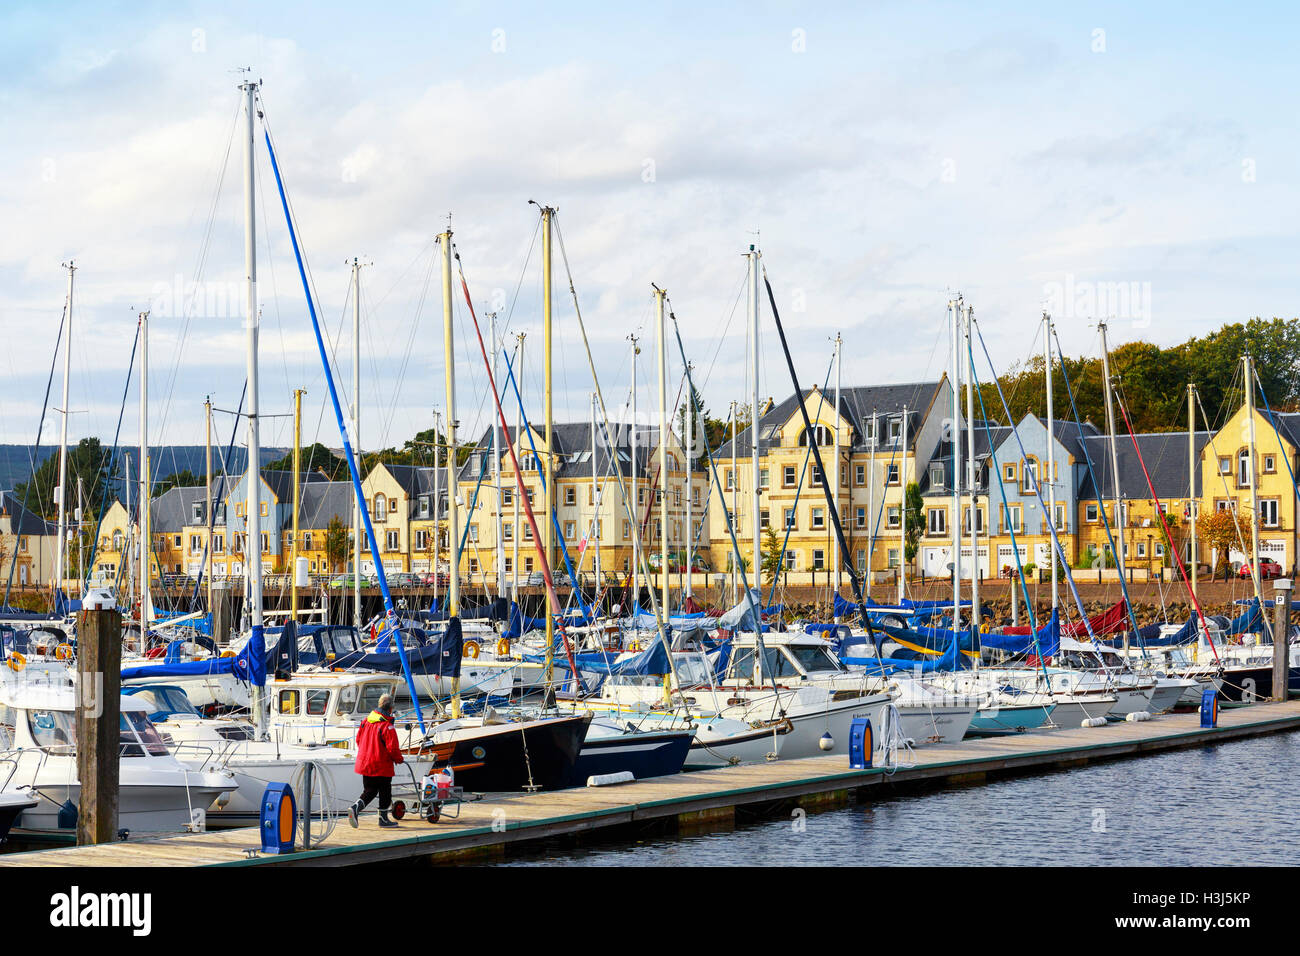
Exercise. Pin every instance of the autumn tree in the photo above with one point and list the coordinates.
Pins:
(1223, 529)
(336, 543)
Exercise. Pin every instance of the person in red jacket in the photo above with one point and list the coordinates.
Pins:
(377, 753)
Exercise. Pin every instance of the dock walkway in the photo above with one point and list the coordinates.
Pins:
(703, 798)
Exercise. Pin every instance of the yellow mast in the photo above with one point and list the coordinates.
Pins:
(548, 494)
(297, 470)
(453, 514)
(207, 408)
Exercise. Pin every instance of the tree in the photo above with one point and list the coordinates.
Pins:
(315, 457)
(336, 543)
(87, 461)
(772, 555)
(181, 479)
(915, 519)
(1223, 529)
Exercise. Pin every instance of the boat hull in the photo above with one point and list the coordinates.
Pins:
(530, 755)
(644, 754)
(1014, 719)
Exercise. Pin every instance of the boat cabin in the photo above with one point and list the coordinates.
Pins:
(784, 659)
(326, 707)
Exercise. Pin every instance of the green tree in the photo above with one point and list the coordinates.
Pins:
(772, 555)
(315, 457)
(87, 461)
(915, 520)
(181, 479)
(336, 543)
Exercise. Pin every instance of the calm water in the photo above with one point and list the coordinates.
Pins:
(1231, 804)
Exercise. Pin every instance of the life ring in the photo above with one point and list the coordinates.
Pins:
(227, 653)
(16, 661)
(470, 650)
(503, 647)
(63, 652)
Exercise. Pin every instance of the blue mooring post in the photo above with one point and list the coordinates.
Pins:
(279, 822)
(861, 744)
(1209, 708)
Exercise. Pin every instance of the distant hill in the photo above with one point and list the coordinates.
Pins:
(17, 461)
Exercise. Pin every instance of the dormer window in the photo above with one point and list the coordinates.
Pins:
(936, 476)
(895, 430)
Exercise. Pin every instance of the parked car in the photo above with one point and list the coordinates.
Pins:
(403, 579)
(345, 581)
(1268, 569)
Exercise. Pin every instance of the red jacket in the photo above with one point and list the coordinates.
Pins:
(377, 748)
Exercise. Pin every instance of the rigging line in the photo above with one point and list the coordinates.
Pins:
(223, 485)
(1101, 509)
(628, 507)
(832, 506)
(1159, 510)
(27, 485)
(521, 490)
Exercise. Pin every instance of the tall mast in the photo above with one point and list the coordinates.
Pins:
(453, 512)
(496, 469)
(835, 476)
(437, 501)
(664, 432)
(593, 530)
(902, 513)
(297, 472)
(146, 493)
(954, 433)
(753, 410)
(690, 508)
(1051, 451)
(356, 434)
(207, 454)
(1120, 556)
(60, 497)
(1248, 373)
(871, 498)
(515, 530)
(253, 525)
(548, 492)
(1191, 475)
(636, 511)
(735, 498)
(970, 482)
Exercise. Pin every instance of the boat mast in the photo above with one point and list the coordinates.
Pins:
(902, 513)
(871, 498)
(1120, 556)
(753, 256)
(1191, 475)
(297, 471)
(496, 469)
(1248, 384)
(593, 531)
(437, 502)
(1051, 451)
(515, 530)
(356, 433)
(63, 448)
(449, 379)
(689, 451)
(971, 475)
(636, 513)
(146, 600)
(664, 432)
(735, 501)
(548, 489)
(954, 434)
(207, 454)
(835, 477)
(253, 524)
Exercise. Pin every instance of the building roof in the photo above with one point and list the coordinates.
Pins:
(321, 501)
(174, 508)
(857, 403)
(1165, 456)
(24, 521)
(942, 458)
(572, 447)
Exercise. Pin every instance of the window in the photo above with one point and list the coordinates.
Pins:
(317, 703)
(196, 512)
(306, 540)
(1009, 471)
(627, 529)
(1268, 512)
(862, 561)
(1270, 464)
(289, 702)
(859, 474)
(821, 435)
(569, 530)
(196, 543)
(507, 531)
(528, 532)
(640, 496)
(423, 510)
(893, 517)
(473, 532)
(816, 477)
(218, 544)
(860, 517)
(1243, 469)
(1225, 465)
(788, 476)
(1030, 476)
(381, 508)
(510, 565)
(528, 565)
(979, 520)
(176, 541)
(764, 519)
(421, 540)
(869, 432)
(473, 565)
(895, 430)
(892, 474)
(261, 509)
(936, 475)
(762, 481)
(507, 496)
(266, 543)
(390, 540)
(819, 559)
(938, 521)
(818, 518)
(1142, 549)
(791, 560)
(789, 518)
(1011, 518)
(1060, 518)
(1090, 514)
(893, 558)
(570, 496)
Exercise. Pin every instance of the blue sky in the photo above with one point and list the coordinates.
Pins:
(886, 154)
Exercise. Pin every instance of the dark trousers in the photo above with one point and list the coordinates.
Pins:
(381, 787)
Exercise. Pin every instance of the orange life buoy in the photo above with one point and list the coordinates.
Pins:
(503, 647)
(471, 650)
(16, 661)
(63, 652)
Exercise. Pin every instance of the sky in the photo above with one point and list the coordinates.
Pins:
(1128, 164)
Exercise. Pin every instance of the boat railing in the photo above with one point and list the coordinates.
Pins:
(189, 749)
(13, 760)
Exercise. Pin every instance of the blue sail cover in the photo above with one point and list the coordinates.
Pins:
(494, 610)
(1252, 620)
(929, 638)
(950, 660)
(248, 665)
(684, 622)
(1048, 643)
(651, 661)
